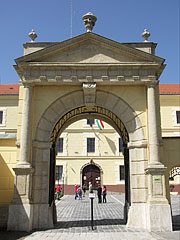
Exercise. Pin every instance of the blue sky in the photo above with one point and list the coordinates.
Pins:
(119, 20)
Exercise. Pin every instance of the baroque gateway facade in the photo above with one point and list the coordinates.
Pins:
(88, 77)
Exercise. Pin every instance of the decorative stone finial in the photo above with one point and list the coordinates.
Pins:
(32, 35)
(89, 21)
(146, 35)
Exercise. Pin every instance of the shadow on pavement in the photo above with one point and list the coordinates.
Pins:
(12, 235)
(176, 222)
(87, 223)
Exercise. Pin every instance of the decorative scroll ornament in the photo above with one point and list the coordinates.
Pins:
(89, 90)
(89, 21)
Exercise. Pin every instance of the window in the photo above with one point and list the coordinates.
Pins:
(60, 145)
(120, 145)
(178, 117)
(90, 144)
(1, 117)
(90, 122)
(121, 173)
(59, 171)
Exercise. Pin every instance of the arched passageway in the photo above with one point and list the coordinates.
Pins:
(91, 173)
(103, 111)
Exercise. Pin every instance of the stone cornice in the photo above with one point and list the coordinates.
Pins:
(74, 74)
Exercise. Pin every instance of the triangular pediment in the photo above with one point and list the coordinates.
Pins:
(89, 48)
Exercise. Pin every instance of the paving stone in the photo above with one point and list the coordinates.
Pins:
(74, 222)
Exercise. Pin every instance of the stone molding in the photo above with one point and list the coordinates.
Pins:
(22, 171)
(93, 163)
(117, 76)
(138, 144)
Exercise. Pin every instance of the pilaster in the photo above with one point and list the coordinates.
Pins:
(154, 154)
(158, 212)
(25, 143)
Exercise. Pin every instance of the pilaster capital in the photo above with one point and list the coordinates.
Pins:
(23, 170)
(27, 84)
(152, 84)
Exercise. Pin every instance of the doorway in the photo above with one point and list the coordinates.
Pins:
(91, 174)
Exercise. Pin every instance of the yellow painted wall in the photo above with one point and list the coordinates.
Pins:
(108, 165)
(135, 96)
(107, 144)
(43, 97)
(75, 144)
(171, 148)
(10, 104)
(169, 105)
(7, 162)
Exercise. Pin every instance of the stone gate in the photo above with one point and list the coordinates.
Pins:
(89, 76)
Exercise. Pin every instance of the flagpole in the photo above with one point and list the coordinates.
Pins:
(71, 19)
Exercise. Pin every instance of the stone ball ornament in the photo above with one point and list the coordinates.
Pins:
(32, 35)
(146, 35)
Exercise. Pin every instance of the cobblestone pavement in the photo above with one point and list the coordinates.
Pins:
(74, 221)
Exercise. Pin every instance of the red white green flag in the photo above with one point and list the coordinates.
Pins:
(100, 124)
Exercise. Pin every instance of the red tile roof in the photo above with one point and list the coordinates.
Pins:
(13, 89)
(9, 89)
(169, 89)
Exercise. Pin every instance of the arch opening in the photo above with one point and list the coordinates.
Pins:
(87, 112)
(91, 172)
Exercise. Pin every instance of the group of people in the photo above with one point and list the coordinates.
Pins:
(101, 193)
(79, 192)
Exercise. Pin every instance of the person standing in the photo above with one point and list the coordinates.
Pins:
(76, 194)
(90, 187)
(58, 191)
(104, 194)
(99, 193)
(79, 191)
(84, 189)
